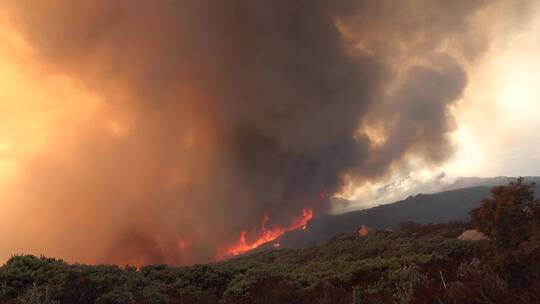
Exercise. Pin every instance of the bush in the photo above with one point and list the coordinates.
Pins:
(508, 216)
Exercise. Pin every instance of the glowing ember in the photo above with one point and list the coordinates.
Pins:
(266, 235)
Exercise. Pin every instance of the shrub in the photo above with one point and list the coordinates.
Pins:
(508, 215)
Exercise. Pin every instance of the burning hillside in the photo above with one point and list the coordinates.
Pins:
(201, 117)
(265, 234)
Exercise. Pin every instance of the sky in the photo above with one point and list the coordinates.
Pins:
(497, 122)
(125, 131)
(498, 116)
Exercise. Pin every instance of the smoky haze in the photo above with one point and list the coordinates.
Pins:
(216, 112)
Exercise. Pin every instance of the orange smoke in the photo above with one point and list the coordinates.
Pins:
(125, 128)
(267, 234)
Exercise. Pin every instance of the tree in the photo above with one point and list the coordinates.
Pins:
(508, 216)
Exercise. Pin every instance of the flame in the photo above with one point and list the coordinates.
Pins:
(302, 220)
(267, 234)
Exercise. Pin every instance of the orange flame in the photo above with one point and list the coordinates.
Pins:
(266, 235)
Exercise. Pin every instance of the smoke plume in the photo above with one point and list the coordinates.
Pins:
(215, 113)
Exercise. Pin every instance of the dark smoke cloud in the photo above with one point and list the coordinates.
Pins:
(233, 109)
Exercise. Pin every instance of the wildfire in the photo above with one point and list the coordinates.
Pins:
(302, 220)
(266, 235)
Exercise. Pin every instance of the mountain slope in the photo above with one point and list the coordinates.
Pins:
(447, 206)
(411, 264)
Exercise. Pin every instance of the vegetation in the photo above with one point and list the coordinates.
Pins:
(411, 263)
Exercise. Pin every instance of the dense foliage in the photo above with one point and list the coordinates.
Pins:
(510, 215)
(409, 264)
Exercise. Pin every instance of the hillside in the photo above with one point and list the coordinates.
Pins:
(326, 271)
(399, 189)
(442, 207)
(410, 263)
